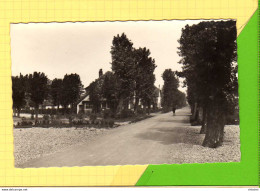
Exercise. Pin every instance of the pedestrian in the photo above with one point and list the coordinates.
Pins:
(173, 110)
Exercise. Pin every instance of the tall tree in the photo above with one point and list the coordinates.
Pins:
(19, 89)
(110, 89)
(71, 90)
(37, 89)
(123, 66)
(56, 92)
(144, 77)
(208, 52)
(170, 88)
(95, 95)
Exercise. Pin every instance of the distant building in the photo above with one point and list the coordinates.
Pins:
(85, 105)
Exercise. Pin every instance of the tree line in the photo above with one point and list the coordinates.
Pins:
(130, 81)
(171, 96)
(35, 88)
(209, 55)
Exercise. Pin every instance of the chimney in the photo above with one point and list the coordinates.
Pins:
(100, 72)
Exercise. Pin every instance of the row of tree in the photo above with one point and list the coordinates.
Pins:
(171, 96)
(33, 89)
(209, 55)
(131, 80)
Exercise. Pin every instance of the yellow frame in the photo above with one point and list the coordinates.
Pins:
(25, 11)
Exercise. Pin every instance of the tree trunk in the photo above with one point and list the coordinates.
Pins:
(149, 108)
(136, 104)
(126, 104)
(71, 108)
(120, 106)
(18, 112)
(215, 125)
(192, 108)
(204, 121)
(144, 105)
(32, 114)
(36, 113)
(195, 112)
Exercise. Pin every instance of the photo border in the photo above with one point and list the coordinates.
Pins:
(242, 173)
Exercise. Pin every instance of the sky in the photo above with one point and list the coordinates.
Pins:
(84, 47)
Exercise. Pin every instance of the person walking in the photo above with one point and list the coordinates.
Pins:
(173, 110)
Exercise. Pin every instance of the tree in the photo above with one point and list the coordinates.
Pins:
(144, 77)
(71, 90)
(179, 99)
(169, 91)
(37, 89)
(56, 92)
(104, 88)
(123, 66)
(110, 89)
(208, 52)
(19, 89)
(95, 95)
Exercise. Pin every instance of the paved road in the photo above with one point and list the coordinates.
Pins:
(144, 142)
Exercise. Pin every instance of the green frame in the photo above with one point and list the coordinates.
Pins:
(245, 172)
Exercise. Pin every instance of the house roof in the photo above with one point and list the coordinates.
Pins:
(83, 97)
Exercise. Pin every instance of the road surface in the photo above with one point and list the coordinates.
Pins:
(144, 142)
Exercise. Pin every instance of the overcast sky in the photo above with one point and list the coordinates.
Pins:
(84, 47)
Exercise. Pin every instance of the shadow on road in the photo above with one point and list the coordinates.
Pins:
(174, 120)
(166, 135)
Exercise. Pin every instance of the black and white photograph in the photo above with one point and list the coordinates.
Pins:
(125, 93)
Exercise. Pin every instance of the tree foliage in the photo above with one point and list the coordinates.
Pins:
(144, 76)
(110, 90)
(133, 70)
(123, 65)
(19, 90)
(208, 52)
(56, 91)
(170, 89)
(37, 89)
(71, 90)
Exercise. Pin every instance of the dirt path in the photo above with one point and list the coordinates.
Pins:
(146, 142)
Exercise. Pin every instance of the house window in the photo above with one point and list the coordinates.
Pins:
(104, 104)
(88, 105)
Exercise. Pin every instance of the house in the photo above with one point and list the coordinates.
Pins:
(85, 105)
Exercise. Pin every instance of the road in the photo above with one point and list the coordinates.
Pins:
(144, 142)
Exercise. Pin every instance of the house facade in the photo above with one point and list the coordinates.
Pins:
(85, 105)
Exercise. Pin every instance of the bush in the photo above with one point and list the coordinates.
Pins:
(70, 117)
(166, 109)
(24, 122)
(126, 113)
(107, 113)
(140, 111)
(81, 116)
(46, 120)
(78, 122)
(56, 122)
(87, 122)
(46, 117)
(111, 122)
(93, 117)
(107, 122)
